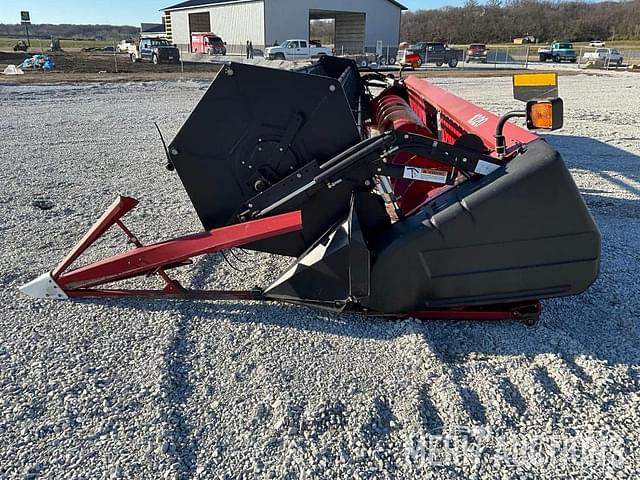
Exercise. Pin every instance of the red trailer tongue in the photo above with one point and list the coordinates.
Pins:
(409, 202)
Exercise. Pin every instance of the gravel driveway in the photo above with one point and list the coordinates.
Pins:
(115, 389)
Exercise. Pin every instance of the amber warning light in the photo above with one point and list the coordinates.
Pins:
(545, 114)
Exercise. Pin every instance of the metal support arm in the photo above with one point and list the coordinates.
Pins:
(362, 162)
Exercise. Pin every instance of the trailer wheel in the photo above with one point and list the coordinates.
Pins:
(134, 58)
(453, 62)
(155, 59)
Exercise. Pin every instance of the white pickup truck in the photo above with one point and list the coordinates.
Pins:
(296, 50)
(610, 56)
(126, 46)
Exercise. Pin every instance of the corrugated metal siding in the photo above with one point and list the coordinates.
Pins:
(287, 19)
(235, 23)
(200, 22)
(350, 32)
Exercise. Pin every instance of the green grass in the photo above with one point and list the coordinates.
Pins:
(36, 43)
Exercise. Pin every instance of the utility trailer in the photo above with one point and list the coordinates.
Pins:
(407, 202)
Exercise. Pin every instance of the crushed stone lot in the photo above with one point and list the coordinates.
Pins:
(135, 389)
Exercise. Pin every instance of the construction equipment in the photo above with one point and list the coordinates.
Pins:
(405, 202)
(21, 46)
(55, 45)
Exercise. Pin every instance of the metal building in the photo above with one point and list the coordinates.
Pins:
(359, 24)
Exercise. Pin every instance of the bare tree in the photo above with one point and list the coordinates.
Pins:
(503, 20)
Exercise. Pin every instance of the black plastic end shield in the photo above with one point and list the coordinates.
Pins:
(522, 233)
(253, 127)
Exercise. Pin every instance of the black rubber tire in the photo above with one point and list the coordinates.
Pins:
(134, 58)
(154, 59)
(543, 58)
(439, 64)
(279, 56)
(453, 62)
(619, 62)
(556, 59)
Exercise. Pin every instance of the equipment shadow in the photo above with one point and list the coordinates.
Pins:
(600, 324)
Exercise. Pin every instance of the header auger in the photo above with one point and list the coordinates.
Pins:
(392, 204)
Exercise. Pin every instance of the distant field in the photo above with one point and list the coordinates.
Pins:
(37, 43)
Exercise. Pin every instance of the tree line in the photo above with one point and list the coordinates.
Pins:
(69, 31)
(499, 21)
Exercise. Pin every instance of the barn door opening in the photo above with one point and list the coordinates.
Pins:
(198, 23)
(346, 28)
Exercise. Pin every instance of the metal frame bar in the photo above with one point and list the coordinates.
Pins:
(155, 258)
(526, 312)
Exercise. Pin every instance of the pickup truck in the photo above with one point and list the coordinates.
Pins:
(126, 46)
(296, 49)
(430, 52)
(156, 50)
(558, 52)
(610, 56)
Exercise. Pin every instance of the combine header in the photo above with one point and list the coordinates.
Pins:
(405, 202)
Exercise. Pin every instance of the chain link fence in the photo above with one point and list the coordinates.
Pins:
(502, 57)
(497, 57)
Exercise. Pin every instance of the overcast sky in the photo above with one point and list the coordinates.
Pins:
(120, 12)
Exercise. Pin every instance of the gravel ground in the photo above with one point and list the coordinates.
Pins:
(114, 389)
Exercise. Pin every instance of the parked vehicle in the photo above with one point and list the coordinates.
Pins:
(369, 61)
(597, 43)
(54, 46)
(20, 46)
(524, 40)
(296, 49)
(208, 43)
(410, 58)
(430, 52)
(156, 50)
(558, 52)
(126, 46)
(610, 56)
(477, 52)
